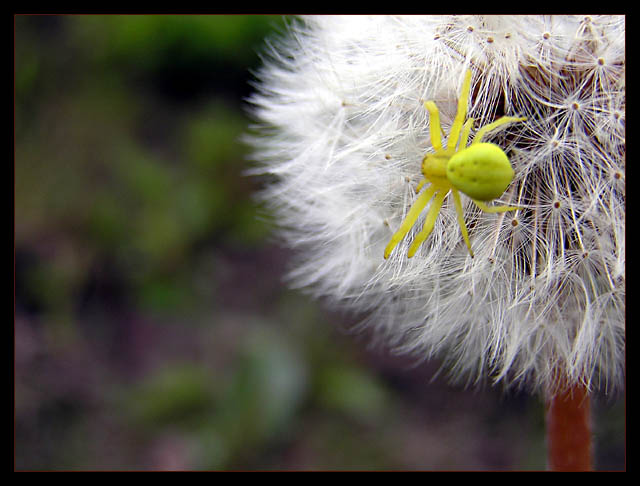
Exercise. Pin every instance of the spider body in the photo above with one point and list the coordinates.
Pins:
(482, 171)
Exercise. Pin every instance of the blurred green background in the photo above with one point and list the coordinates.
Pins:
(152, 327)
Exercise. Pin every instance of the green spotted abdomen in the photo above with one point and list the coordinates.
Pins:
(482, 171)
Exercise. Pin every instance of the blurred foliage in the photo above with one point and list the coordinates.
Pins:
(152, 329)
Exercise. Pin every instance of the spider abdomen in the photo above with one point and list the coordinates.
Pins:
(482, 171)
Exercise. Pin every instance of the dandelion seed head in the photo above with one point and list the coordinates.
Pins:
(341, 132)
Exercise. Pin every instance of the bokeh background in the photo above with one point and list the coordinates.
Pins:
(152, 327)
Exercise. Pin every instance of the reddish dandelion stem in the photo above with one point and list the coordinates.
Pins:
(569, 430)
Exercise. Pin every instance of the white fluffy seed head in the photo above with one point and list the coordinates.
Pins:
(343, 130)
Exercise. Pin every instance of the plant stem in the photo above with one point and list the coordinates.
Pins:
(568, 421)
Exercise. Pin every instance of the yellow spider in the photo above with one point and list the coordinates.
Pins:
(482, 171)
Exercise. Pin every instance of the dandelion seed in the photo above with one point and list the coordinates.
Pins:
(343, 128)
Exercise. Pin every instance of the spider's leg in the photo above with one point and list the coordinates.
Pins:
(461, 223)
(428, 222)
(434, 125)
(492, 126)
(495, 209)
(466, 128)
(463, 102)
(419, 186)
(409, 220)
